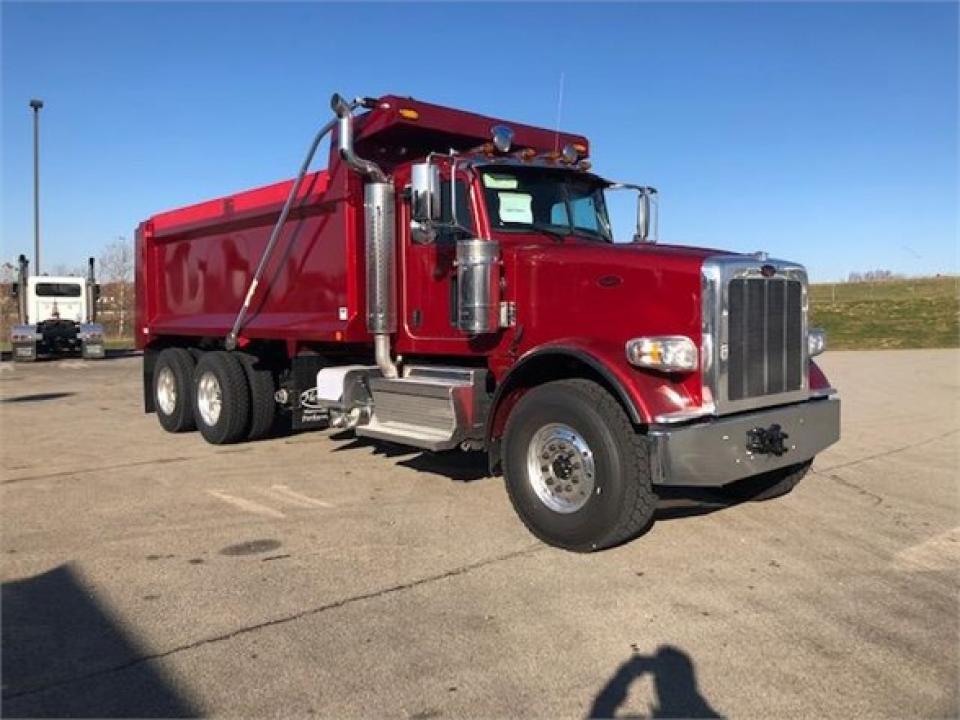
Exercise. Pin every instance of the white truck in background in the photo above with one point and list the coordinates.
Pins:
(56, 315)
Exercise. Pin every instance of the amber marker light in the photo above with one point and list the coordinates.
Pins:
(409, 114)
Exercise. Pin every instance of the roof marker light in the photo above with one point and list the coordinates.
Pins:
(409, 114)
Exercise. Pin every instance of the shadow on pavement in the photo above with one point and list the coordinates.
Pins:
(66, 655)
(675, 502)
(674, 679)
(38, 397)
(453, 464)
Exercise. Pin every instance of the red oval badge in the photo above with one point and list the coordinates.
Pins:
(609, 281)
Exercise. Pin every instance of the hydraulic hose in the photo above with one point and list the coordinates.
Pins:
(231, 339)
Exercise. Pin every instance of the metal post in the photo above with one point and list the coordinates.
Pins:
(36, 105)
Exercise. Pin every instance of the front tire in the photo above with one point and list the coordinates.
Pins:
(576, 470)
(221, 399)
(173, 390)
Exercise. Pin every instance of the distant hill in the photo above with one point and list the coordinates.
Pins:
(888, 314)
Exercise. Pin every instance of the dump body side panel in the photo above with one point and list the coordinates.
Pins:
(196, 263)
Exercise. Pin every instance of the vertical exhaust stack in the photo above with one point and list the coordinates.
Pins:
(23, 276)
(91, 292)
(379, 205)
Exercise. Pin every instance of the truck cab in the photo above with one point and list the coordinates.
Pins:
(57, 315)
(57, 298)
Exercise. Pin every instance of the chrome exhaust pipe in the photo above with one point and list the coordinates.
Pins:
(367, 168)
(23, 278)
(91, 292)
(379, 211)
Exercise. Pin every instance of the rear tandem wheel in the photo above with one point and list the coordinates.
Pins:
(221, 400)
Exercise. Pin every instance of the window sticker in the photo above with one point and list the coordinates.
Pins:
(515, 207)
(500, 182)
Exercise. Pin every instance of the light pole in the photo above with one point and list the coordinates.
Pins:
(36, 105)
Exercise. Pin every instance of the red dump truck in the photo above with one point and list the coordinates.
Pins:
(452, 281)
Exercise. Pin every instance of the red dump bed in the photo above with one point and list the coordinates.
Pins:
(194, 266)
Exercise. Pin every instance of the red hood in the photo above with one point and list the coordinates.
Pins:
(585, 253)
(595, 296)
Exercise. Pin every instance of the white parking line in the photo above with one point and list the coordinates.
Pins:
(286, 493)
(940, 552)
(247, 505)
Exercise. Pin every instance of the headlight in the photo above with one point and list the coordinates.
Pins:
(669, 353)
(816, 342)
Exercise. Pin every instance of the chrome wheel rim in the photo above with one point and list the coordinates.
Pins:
(166, 391)
(209, 398)
(560, 468)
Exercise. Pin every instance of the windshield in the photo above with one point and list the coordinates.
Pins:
(58, 290)
(552, 200)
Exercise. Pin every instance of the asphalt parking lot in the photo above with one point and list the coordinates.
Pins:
(317, 574)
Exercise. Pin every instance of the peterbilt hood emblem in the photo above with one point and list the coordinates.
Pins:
(768, 271)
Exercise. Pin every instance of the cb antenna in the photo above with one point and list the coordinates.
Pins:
(556, 140)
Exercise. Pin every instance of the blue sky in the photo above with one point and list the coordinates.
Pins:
(825, 133)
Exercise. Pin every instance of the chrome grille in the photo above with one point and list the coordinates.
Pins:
(754, 344)
(765, 321)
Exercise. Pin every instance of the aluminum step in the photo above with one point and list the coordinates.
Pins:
(431, 408)
(418, 436)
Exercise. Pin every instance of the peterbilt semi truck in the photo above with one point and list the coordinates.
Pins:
(56, 315)
(451, 281)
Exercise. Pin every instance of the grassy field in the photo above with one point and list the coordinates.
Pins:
(914, 313)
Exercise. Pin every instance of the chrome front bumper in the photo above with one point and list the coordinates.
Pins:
(715, 453)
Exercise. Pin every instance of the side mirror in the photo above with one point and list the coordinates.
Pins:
(644, 215)
(425, 206)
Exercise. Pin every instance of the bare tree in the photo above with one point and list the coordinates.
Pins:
(63, 269)
(116, 269)
(8, 305)
(872, 276)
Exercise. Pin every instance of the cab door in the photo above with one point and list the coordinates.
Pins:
(430, 275)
